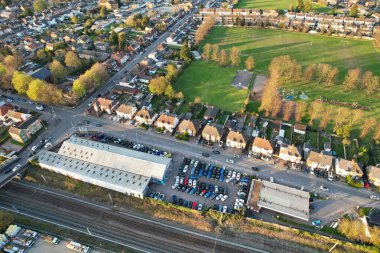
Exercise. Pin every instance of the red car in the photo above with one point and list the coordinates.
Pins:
(185, 181)
(194, 205)
(203, 193)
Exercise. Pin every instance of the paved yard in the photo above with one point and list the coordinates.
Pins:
(169, 192)
(43, 247)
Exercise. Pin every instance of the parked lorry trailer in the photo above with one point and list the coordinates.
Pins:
(23, 242)
(78, 247)
(50, 239)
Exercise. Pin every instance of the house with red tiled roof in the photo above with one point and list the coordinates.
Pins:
(145, 116)
(167, 121)
(236, 139)
(262, 147)
(126, 111)
(105, 105)
(190, 127)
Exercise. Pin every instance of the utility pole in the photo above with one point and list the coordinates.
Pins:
(44, 179)
(109, 195)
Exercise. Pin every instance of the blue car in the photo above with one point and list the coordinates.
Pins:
(214, 195)
(174, 200)
(193, 191)
(208, 194)
(220, 208)
(209, 174)
(201, 172)
(192, 171)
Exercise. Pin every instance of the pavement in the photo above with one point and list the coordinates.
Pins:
(123, 227)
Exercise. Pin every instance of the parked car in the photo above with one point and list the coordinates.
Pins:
(157, 195)
(18, 166)
(374, 197)
(205, 155)
(230, 161)
(161, 198)
(324, 188)
(255, 168)
(271, 179)
(217, 152)
(200, 207)
(224, 197)
(225, 209)
(174, 199)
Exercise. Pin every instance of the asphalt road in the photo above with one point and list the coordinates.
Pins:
(133, 231)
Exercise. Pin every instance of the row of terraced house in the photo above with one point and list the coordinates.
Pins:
(360, 26)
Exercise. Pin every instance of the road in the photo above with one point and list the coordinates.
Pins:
(119, 226)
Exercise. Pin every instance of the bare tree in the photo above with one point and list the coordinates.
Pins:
(325, 119)
(351, 79)
(315, 110)
(331, 76)
(370, 82)
(250, 63)
(309, 73)
(215, 53)
(223, 58)
(367, 126)
(288, 110)
(376, 137)
(276, 106)
(207, 52)
(300, 110)
(235, 56)
(342, 117)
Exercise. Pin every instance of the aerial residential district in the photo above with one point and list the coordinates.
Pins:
(189, 126)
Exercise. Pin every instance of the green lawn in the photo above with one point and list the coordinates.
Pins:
(275, 5)
(212, 84)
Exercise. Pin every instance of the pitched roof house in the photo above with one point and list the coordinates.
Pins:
(374, 174)
(345, 168)
(189, 126)
(300, 129)
(167, 121)
(145, 116)
(319, 161)
(126, 111)
(211, 113)
(236, 140)
(105, 105)
(212, 133)
(290, 153)
(262, 146)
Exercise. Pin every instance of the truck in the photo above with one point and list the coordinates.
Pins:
(50, 239)
(30, 233)
(78, 247)
(23, 242)
(13, 249)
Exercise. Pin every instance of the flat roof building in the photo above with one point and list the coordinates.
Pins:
(116, 168)
(279, 198)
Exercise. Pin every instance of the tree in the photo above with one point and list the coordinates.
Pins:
(79, 87)
(122, 40)
(308, 6)
(325, 119)
(13, 61)
(72, 60)
(172, 72)
(113, 39)
(367, 126)
(223, 58)
(197, 100)
(39, 5)
(74, 19)
(344, 131)
(27, 12)
(184, 53)
(250, 63)
(41, 55)
(315, 111)
(354, 11)
(376, 137)
(351, 79)
(103, 12)
(288, 110)
(363, 156)
(21, 82)
(34, 91)
(370, 82)
(169, 92)
(158, 85)
(204, 28)
(309, 72)
(130, 21)
(276, 106)
(300, 5)
(331, 76)
(179, 95)
(215, 53)
(58, 71)
(300, 110)
(235, 56)
(207, 52)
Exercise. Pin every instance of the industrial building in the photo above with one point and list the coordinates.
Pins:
(279, 198)
(116, 168)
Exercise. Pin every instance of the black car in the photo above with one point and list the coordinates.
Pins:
(255, 168)
(205, 155)
(217, 152)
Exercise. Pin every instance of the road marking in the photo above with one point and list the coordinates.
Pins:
(170, 226)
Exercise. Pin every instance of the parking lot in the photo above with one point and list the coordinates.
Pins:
(194, 181)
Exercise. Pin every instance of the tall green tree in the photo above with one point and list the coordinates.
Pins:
(72, 60)
(184, 53)
(58, 71)
(40, 5)
(158, 85)
(122, 40)
(113, 39)
(35, 89)
(354, 11)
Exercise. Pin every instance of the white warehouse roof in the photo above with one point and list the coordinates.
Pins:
(116, 157)
(103, 176)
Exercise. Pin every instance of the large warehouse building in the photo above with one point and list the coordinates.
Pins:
(279, 198)
(116, 168)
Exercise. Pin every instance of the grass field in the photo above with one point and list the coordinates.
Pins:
(275, 5)
(212, 84)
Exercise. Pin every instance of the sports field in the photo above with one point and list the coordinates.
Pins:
(212, 84)
(275, 5)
